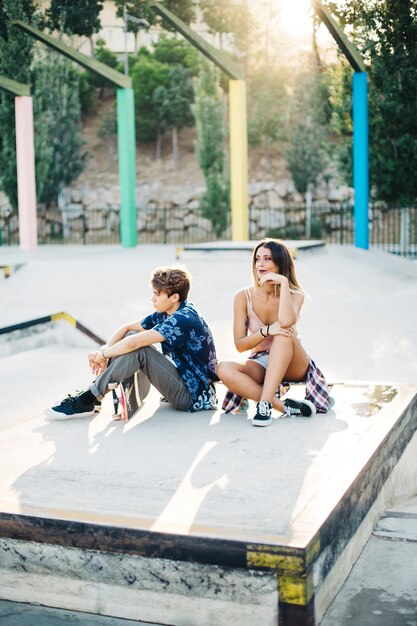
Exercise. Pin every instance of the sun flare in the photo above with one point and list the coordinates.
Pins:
(296, 16)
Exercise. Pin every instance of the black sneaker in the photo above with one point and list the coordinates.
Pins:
(299, 408)
(71, 408)
(263, 414)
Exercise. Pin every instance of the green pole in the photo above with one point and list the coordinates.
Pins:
(127, 167)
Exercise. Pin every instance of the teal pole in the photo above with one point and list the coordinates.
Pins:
(360, 159)
(127, 166)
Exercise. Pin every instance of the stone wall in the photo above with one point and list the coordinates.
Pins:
(171, 215)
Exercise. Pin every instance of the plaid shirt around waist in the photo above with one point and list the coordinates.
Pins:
(317, 390)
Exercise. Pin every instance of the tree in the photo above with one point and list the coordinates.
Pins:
(386, 34)
(219, 17)
(176, 51)
(211, 133)
(58, 145)
(309, 129)
(158, 99)
(226, 18)
(75, 17)
(147, 75)
(340, 98)
(268, 107)
(173, 105)
(106, 56)
(16, 52)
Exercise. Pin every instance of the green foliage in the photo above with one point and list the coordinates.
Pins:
(209, 113)
(268, 106)
(58, 145)
(386, 34)
(163, 90)
(177, 52)
(227, 17)
(173, 105)
(184, 9)
(87, 93)
(219, 16)
(16, 52)
(173, 101)
(56, 109)
(215, 202)
(211, 132)
(106, 56)
(309, 129)
(147, 75)
(78, 17)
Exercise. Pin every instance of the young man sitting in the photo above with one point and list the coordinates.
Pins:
(183, 373)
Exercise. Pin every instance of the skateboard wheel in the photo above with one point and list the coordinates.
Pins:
(244, 405)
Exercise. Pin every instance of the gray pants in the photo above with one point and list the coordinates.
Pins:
(161, 373)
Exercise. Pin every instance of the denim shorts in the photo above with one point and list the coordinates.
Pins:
(261, 358)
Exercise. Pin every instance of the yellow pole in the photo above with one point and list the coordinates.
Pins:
(238, 160)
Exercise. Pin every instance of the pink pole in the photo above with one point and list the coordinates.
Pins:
(26, 185)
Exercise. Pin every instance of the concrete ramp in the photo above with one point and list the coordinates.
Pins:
(200, 519)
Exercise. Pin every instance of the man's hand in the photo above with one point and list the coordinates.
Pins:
(97, 362)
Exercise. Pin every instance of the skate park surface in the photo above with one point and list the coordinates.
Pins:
(212, 488)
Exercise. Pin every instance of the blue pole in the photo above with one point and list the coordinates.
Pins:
(360, 159)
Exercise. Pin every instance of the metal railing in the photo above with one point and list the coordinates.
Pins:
(393, 228)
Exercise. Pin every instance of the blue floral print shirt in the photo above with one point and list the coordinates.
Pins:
(190, 345)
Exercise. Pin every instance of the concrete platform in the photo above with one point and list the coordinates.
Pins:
(202, 519)
(199, 490)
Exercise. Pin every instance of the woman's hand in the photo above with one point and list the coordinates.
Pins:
(273, 277)
(277, 329)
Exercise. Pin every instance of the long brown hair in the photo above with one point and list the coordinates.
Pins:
(282, 258)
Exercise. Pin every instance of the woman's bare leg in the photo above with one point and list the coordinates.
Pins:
(244, 379)
(287, 361)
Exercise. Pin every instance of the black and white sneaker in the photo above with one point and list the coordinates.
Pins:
(71, 408)
(299, 408)
(263, 414)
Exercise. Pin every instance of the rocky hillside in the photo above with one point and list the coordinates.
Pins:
(102, 160)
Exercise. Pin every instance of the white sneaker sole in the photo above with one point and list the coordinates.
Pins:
(266, 422)
(56, 416)
(306, 403)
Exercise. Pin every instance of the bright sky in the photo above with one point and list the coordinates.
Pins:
(296, 16)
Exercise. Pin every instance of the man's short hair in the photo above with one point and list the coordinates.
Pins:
(171, 280)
